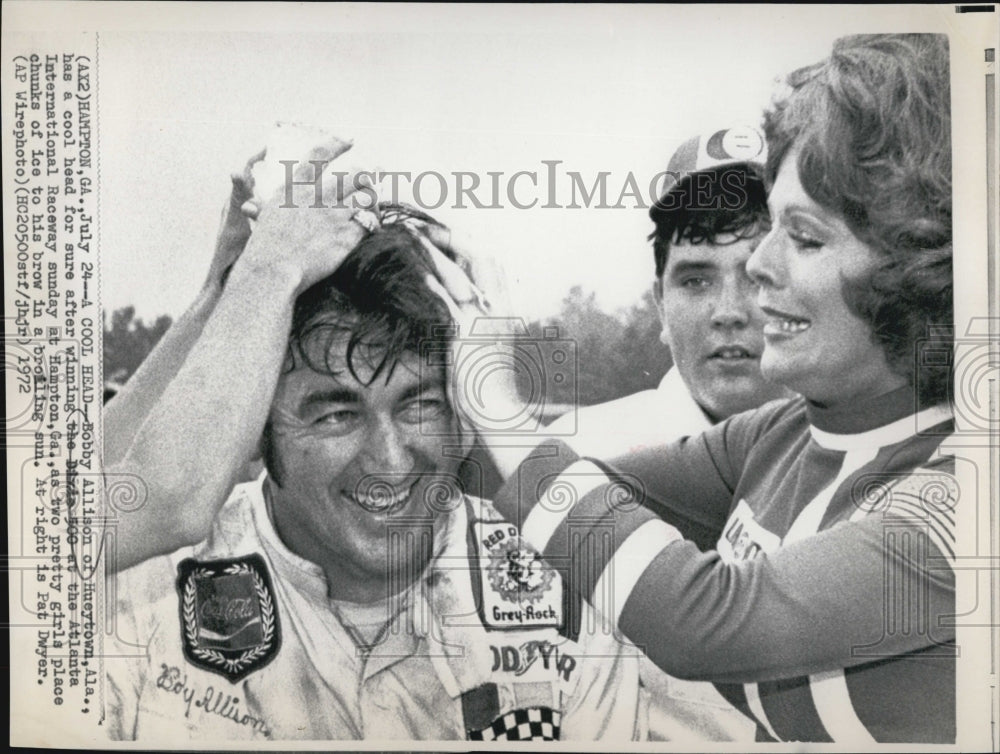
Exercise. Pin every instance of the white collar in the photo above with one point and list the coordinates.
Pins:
(676, 397)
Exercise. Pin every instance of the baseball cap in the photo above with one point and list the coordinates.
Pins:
(727, 147)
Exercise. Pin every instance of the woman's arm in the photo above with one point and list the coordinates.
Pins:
(811, 606)
(816, 605)
(208, 420)
(125, 413)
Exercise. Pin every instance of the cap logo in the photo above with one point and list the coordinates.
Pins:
(742, 143)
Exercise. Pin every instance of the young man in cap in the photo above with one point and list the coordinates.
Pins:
(354, 591)
(708, 221)
(711, 216)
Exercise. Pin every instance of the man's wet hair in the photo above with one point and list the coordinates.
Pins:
(378, 301)
(706, 216)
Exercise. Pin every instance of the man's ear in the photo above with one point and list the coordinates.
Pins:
(658, 298)
(266, 456)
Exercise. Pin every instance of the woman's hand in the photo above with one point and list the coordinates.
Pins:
(486, 357)
(234, 229)
(307, 230)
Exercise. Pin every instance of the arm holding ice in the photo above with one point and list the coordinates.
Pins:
(124, 414)
(207, 422)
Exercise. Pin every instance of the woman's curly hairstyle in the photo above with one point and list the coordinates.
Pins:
(872, 128)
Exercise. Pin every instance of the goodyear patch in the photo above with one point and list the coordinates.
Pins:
(229, 617)
(519, 589)
(538, 655)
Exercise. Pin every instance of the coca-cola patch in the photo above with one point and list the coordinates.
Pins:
(229, 619)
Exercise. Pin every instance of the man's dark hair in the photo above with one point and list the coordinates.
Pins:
(730, 202)
(378, 300)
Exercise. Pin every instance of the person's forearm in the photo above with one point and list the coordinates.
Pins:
(197, 438)
(815, 606)
(208, 420)
(508, 450)
(125, 413)
(697, 616)
(701, 618)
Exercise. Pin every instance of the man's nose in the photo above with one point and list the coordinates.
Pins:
(387, 449)
(736, 299)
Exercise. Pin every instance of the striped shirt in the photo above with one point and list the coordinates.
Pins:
(681, 710)
(798, 557)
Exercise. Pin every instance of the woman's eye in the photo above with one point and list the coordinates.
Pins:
(803, 239)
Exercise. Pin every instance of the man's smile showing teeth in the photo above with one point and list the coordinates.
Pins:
(379, 498)
(731, 352)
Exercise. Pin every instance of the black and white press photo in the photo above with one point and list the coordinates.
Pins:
(430, 376)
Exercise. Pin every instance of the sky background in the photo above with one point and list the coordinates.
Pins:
(188, 91)
(468, 88)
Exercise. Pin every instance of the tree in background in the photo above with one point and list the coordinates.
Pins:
(646, 358)
(127, 341)
(617, 354)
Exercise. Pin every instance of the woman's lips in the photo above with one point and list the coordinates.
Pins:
(784, 323)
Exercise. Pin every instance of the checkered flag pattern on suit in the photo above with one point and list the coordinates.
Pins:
(531, 724)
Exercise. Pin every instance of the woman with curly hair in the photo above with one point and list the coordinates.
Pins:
(799, 556)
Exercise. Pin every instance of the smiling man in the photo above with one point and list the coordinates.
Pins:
(711, 216)
(354, 591)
